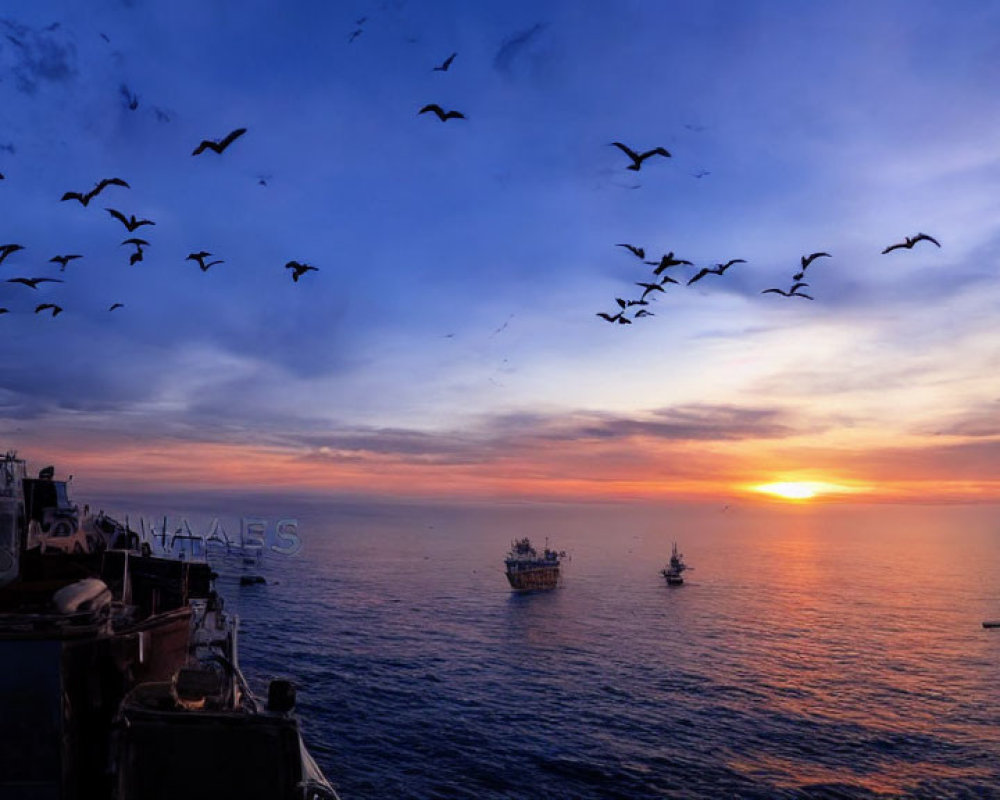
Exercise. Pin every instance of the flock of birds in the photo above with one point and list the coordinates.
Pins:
(664, 273)
(132, 224)
(660, 279)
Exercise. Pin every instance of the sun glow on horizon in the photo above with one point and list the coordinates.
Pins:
(801, 490)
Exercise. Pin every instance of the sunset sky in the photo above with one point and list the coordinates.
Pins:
(449, 345)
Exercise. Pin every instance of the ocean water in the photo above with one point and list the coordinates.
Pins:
(813, 652)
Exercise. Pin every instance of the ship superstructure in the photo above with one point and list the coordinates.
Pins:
(91, 627)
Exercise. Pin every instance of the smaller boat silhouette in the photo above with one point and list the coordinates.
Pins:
(674, 571)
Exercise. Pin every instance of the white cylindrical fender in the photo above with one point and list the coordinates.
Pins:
(89, 594)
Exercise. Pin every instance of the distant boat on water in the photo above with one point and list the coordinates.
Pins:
(528, 571)
(674, 571)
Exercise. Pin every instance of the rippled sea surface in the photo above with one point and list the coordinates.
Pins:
(834, 652)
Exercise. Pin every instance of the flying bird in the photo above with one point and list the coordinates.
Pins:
(131, 223)
(4, 310)
(222, 144)
(638, 158)
(55, 309)
(650, 287)
(718, 269)
(807, 260)
(130, 98)
(642, 312)
(116, 305)
(33, 282)
(445, 64)
(138, 254)
(910, 241)
(620, 318)
(299, 269)
(86, 197)
(200, 257)
(791, 293)
(7, 249)
(443, 115)
(638, 252)
(668, 261)
(62, 261)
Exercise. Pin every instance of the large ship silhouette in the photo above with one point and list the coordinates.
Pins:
(120, 677)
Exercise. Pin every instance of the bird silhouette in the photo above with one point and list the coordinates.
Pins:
(137, 256)
(631, 303)
(4, 310)
(116, 305)
(445, 64)
(443, 115)
(354, 35)
(62, 261)
(620, 318)
(220, 145)
(718, 269)
(131, 223)
(130, 98)
(649, 287)
(638, 252)
(668, 261)
(790, 293)
(200, 259)
(638, 158)
(643, 312)
(33, 282)
(910, 241)
(56, 310)
(86, 197)
(807, 260)
(667, 279)
(199, 256)
(7, 249)
(299, 269)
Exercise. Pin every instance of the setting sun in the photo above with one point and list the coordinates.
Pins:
(790, 491)
(804, 490)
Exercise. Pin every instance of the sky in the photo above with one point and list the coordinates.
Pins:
(449, 343)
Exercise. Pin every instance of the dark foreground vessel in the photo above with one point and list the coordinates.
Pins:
(528, 571)
(674, 571)
(119, 677)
